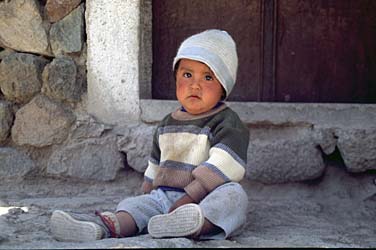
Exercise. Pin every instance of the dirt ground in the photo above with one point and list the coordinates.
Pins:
(337, 210)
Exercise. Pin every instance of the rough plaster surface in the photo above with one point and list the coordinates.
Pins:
(113, 59)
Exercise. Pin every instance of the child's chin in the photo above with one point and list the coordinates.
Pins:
(196, 111)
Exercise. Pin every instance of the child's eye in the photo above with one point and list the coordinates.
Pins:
(208, 78)
(187, 75)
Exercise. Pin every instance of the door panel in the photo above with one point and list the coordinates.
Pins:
(326, 51)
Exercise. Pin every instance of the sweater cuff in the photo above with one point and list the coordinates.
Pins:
(196, 191)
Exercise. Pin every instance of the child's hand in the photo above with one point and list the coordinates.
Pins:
(146, 187)
(182, 201)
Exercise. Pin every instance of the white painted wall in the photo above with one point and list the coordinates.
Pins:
(113, 60)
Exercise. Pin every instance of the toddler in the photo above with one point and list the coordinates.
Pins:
(191, 185)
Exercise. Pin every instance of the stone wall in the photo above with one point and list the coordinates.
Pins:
(46, 129)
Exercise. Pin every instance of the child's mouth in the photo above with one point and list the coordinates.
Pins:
(194, 96)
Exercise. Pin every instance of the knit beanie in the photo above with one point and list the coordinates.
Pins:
(217, 50)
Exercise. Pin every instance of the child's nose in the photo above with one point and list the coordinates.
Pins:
(195, 83)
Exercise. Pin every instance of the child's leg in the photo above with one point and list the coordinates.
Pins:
(209, 228)
(226, 209)
(128, 226)
(134, 213)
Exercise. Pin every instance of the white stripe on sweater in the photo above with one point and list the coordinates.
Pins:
(184, 147)
(226, 164)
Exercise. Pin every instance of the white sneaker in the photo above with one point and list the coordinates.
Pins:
(183, 221)
(66, 228)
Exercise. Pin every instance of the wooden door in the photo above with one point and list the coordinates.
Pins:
(289, 50)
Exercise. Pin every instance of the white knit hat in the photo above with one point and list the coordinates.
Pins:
(217, 50)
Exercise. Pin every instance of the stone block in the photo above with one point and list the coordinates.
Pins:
(90, 159)
(42, 122)
(21, 76)
(358, 148)
(60, 80)
(6, 120)
(283, 154)
(88, 127)
(67, 35)
(21, 27)
(57, 9)
(14, 164)
(136, 142)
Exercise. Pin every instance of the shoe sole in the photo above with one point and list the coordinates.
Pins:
(65, 228)
(183, 221)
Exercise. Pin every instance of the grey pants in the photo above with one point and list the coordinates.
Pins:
(225, 207)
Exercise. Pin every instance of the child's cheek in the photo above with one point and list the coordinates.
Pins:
(179, 90)
(182, 84)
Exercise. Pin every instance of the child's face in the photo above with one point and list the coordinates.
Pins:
(197, 88)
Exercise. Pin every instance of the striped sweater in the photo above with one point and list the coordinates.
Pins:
(197, 153)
